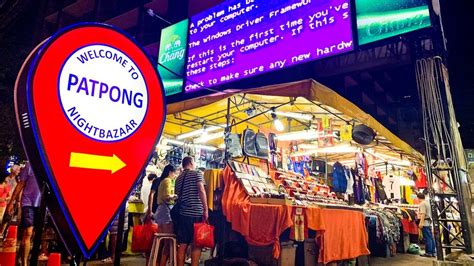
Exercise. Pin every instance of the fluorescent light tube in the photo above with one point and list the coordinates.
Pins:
(207, 137)
(200, 131)
(301, 116)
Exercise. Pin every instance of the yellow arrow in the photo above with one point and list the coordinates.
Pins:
(96, 162)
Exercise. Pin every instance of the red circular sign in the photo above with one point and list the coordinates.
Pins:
(98, 109)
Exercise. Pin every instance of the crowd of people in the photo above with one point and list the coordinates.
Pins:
(187, 186)
(20, 197)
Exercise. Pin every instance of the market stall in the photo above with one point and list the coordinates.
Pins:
(299, 157)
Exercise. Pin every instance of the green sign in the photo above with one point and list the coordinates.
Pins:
(171, 57)
(469, 155)
(381, 19)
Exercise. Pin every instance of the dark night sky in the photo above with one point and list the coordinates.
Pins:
(458, 24)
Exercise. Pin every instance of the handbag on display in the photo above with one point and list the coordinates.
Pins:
(261, 145)
(248, 140)
(203, 235)
(272, 142)
(234, 148)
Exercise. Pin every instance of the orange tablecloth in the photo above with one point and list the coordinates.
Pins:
(342, 233)
(259, 224)
(344, 236)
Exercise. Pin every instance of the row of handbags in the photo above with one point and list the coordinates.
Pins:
(252, 144)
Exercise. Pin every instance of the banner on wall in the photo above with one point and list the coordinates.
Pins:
(381, 19)
(172, 56)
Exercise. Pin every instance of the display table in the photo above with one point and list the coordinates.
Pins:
(342, 233)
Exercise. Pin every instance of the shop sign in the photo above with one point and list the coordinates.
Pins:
(97, 110)
(172, 56)
(381, 19)
(469, 155)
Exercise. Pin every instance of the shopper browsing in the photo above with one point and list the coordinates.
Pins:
(165, 200)
(7, 186)
(30, 202)
(193, 209)
(152, 197)
(146, 189)
(424, 213)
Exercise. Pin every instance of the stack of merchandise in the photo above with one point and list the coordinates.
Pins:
(259, 185)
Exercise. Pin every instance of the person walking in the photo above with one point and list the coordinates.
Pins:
(152, 196)
(30, 201)
(426, 221)
(193, 209)
(7, 186)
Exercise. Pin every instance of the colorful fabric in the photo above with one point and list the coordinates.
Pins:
(334, 226)
(339, 180)
(213, 182)
(421, 182)
(344, 236)
(350, 181)
(246, 218)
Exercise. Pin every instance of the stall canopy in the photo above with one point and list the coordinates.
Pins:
(253, 108)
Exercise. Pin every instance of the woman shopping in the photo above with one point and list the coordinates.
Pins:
(165, 200)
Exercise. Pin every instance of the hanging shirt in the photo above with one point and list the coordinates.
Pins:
(211, 177)
(339, 178)
(420, 182)
(410, 196)
(350, 181)
(392, 186)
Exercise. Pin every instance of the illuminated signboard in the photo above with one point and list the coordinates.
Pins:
(172, 56)
(381, 19)
(243, 38)
(96, 111)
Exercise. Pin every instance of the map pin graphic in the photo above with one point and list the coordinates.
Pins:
(97, 110)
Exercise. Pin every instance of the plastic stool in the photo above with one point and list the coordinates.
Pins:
(156, 248)
(54, 259)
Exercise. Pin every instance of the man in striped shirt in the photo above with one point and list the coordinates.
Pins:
(192, 196)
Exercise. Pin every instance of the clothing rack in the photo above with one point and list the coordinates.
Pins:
(407, 206)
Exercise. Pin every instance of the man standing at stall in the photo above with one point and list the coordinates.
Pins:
(30, 202)
(424, 213)
(193, 209)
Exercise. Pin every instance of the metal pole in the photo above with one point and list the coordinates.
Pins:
(38, 226)
(119, 242)
(221, 245)
(326, 169)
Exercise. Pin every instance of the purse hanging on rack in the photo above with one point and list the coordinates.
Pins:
(248, 140)
(261, 145)
(232, 143)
